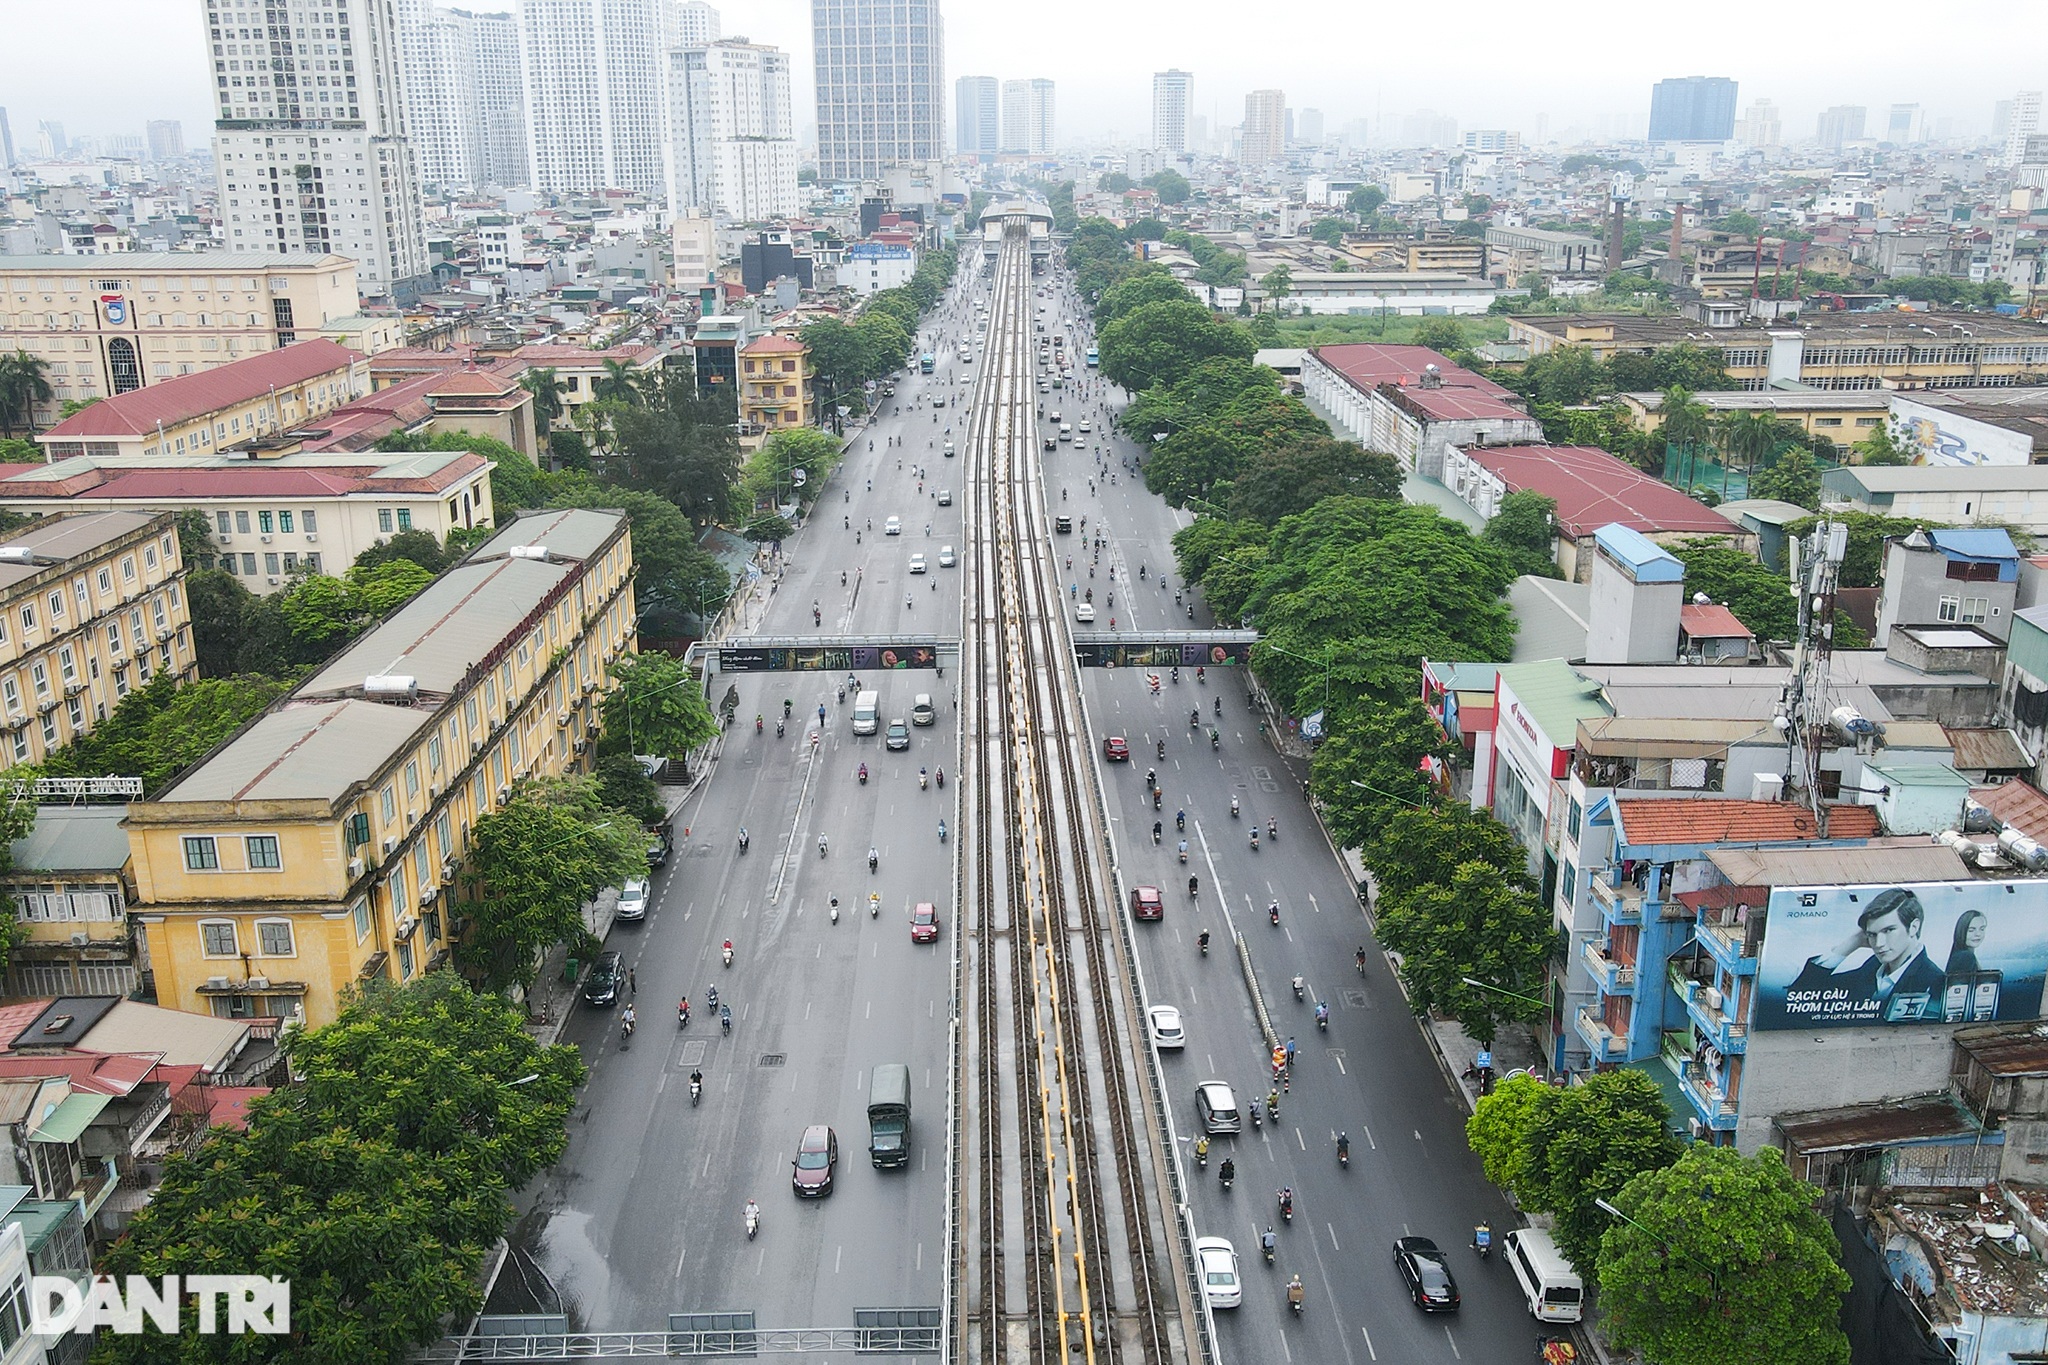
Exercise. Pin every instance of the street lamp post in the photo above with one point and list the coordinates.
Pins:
(1477, 984)
(1328, 661)
(1713, 1276)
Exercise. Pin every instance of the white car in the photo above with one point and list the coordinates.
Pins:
(1085, 613)
(893, 526)
(917, 563)
(947, 559)
(1218, 1259)
(632, 901)
(1083, 428)
(1166, 1029)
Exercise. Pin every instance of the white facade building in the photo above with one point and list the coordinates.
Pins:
(1028, 117)
(731, 146)
(1264, 138)
(595, 92)
(500, 98)
(975, 115)
(440, 92)
(2023, 123)
(693, 246)
(1172, 93)
(311, 136)
(696, 24)
(881, 81)
(871, 267)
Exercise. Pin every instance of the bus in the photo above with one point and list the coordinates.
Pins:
(927, 362)
(1093, 358)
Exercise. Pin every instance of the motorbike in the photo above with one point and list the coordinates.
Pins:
(1296, 1295)
(727, 952)
(874, 860)
(1215, 739)
(1201, 675)
(1191, 611)
(1233, 808)
(874, 905)
(1194, 887)
(1183, 852)
(696, 1092)
(1226, 1173)
(1202, 942)
(1268, 1243)
(1155, 831)
(1258, 1112)
(1482, 1241)
(1202, 1153)
(1300, 988)
(757, 725)
(743, 841)
(725, 1019)
(1322, 1017)
(1273, 831)
(1273, 913)
(683, 1015)
(834, 908)
(1219, 706)
(625, 1029)
(1180, 819)
(1344, 1151)
(823, 844)
(1158, 799)
(942, 831)
(863, 774)
(753, 1219)
(1255, 839)
(923, 779)
(778, 729)
(711, 998)
(1195, 718)
(940, 778)
(1162, 748)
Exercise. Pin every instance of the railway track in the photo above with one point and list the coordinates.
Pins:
(1063, 1250)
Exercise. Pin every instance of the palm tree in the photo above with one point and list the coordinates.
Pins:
(1752, 436)
(619, 381)
(546, 388)
(23, 384)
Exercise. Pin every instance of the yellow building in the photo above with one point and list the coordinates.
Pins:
(777, 390)
(318, 847)
(108, 324)
(1844, 417)
(1832, 351)
(259, 395)
(91, 607)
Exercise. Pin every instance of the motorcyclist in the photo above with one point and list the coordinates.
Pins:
(1202, 1149)
(1227, 1172)
(1296, 1295)
(1359, 957)
(743, 838)
(1322, 1013)
(1194, 886)
(1343, 1147)
(1183, 850)
(1156, 829)
(1202, 940)
(1180, 819)
(1268, 1241)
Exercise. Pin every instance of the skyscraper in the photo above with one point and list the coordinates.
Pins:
(312, 160)
(1172, 92)
(597, 92)
(6, 143)
(1840, 126)
(1693, 109)
(881, 72)
(166, 138)
(500, 98)
(1906, 124)
(2023, 124)
(1028, 117)
(55, 144)
(696, 24)
(465, 103)
(732, 141)
(1308, 126)
(1265, 126)
(1761, 126)
(974, 115)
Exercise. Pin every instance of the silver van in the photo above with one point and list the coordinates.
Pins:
(866, 711)
(922, 712)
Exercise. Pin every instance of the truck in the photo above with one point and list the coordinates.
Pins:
(866, 708)
(889, 1115)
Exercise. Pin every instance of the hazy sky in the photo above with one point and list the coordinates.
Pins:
(105, 66)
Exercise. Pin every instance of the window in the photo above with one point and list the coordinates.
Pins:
(405, 518)
(41, 675)
(274, 937)
(442, 835)
(434, 751)
(313, 562)
(270, 562)
(1950, 609)
(388, 800)
(78, 590)
(249, 565)
(149, 556)
(1975, 609)
(128, 569)
(312, 520)
(262, 851)
(241, 522)
(284, 522)
(114, 627)
(265, 522)
(11, 693)
(1568, 884)
(56, 601)
(28, 616)
(384, 519)
(106, 581)
(412, 780)
(399, 903)
(217, 938)
(201, 855)
(360, 913)
(67, 664)
(76, 710)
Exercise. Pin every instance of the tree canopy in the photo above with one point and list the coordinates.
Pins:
(1163, 340)
(655, 706)
(1583, 1144)
(1478, 926)
(1761, 598)
(161, 728)
(1524, 530)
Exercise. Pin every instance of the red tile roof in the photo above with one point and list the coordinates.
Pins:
(1369, 365)
(172, 401)
(1711, 621)
(96, 1073)
(251, 481)
(773, 345)
(1684, 820)
(2019, 804)
(1592, 488)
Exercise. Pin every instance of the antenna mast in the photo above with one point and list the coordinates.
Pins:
(1816, 569)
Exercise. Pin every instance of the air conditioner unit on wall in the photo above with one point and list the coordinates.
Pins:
(355, 868)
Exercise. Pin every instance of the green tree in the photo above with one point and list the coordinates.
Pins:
(1566, 376)
(24, 382)
(1880, 447)
(374, 1184)
(1171, 186)
(766, 527)
(14, 450)
(1196, 547)
(681, 445)
(1114, 182)
(1413, 846)
(1751, 436)
(1588, 1141)
(1480, 926)
(415, 545)
(378, 590)
(1328, 231)
(1278, 282)
(195, 537)
(1366, 199)
(537, 860)
(161, 728)
(1498, 1131)
(547, 390)
(1442, 335)
(670, 570)
(1863, 562)
(1160, 341)
(1524, 530)
(655, 706)
(768, 476)
(1794, 478)
(1725, 1258)
(1146, 284)
(1760, 598)
(1294, 477)
(1369, 768)
(620, 383)
(839, 357)
(622, 784)
(1198, 395)
(1739, 224)
(1686, 420)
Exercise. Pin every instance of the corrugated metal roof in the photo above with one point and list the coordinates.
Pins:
(1711, 621)
(1592, 488)
(1550, 618)
(1991, 749)
(572, 533)
(2017, 1048)
(1983, 544)
(1672, 821)
(312, 751)
(71, 1118)
(1555, 695)
(1667, 736)
(172, 402)
(73, 839)
(68, 538)
(1874, 1125)
(1878, 860)
(2019, 804)
(443, 633)
(1649, 561)
(170, 262)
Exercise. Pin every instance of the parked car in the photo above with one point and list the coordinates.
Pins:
(658, 849)
(632, 901)
(607, 976)
(1427, 1274)
(817, 1153)
(924, 923)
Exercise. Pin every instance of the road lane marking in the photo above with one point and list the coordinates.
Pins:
(1300, 1139)
(1334, 1245)
(837, 1255)
(1368, 1343)
(1454, 1342)
(679, 1261)
(1339, 1060)
(1367, 1129)
(1315, 904)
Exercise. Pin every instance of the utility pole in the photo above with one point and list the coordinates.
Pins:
(1803, 713)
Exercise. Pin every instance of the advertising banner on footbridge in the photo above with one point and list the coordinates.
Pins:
(825, 658)
(1100, 651)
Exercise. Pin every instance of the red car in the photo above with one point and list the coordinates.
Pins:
(1116, 750)
(817, 1153)
(1145, 903)
(924, 923)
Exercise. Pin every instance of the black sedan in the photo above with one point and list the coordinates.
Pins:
(1427, 1274)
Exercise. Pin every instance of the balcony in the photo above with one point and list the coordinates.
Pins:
(1609, 977)
(1733, 946)
(1618, 904)
(1710, 1103)
(1603, 1042)
(1709, 1012)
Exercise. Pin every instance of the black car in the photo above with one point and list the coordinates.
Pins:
(607, 978)
(658, 849)
(1427, 1274)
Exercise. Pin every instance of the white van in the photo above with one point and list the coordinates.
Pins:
(866, 706)
(1551, 1289)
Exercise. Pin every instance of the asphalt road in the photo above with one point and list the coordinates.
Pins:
(642, 1217)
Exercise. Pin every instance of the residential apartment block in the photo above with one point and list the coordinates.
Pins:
(323, 844)
(92, 606)
(310, 138)
(595, 92)
(1173, 93)
(731, 150)
(777, 388)
(881, 85)
(125, 322)
(200, 412)
(976, 121)
(1264, 139)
